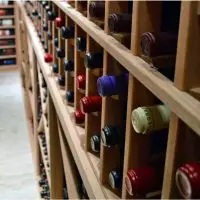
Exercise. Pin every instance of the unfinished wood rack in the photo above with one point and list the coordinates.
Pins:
(12, 59)
(69, 143)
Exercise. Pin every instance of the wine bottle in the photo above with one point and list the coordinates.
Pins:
(70, 96)
(44, 194)
(60, 21)
(55, 68)
(67, 32)
(152, 118)
(49, 35)
(110, 135)
(51, 15)
(61, 80)
(115, 179)
(68, 65)
(120, 22)
(188, 180)
(157, 44)
(95, 142)
(90, 104)
(44, 4)
(42, 41)
(43, 182)
(48, 58)
(79, 116)
(40, 35)
(60, 53)
(48, 8)
(81, 81)
(46, 48)
(35, 13)
(112, 85)
(97, 9)
(81, 43)
(39, 16)
(45, 27)
(56, 42)
(93, 60)
(140, 181)
(65, 194)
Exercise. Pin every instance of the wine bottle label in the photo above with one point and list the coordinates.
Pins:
(152, 118)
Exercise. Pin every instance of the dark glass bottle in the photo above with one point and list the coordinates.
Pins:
(56, 42)
(120, 22)
(45, 27)
(95, 142)
(115, 179)
(97, 9)
(93, 60)
(70, 96)
(55, 68)
(61, 80)
(60, 53)
(51, 15)
(68, 65)
(49, 35)
(81, 43)
(158, 44)
(67, 32)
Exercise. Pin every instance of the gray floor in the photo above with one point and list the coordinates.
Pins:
(17, 179)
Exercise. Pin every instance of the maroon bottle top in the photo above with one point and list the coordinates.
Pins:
(142, 180)
(81, 81)
(60, 21)
(48, 58)
(91, 104)
(79, 116)
(188, 180)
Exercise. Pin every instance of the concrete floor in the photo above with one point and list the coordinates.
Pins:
(17, 178)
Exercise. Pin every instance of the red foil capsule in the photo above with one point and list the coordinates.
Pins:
(81, 81)
(48, 58)
(60, 21)
(91, 104)
(79, 116)
(188, 180)
(141, 180)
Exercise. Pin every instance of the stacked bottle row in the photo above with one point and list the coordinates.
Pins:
(43, 183)
(110, 90)
(6, 2)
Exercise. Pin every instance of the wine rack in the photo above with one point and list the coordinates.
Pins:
(114, 96)
(8, 42)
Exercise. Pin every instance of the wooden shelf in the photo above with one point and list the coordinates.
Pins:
(8, 57)
(7, 17)
(146, 87)
(7, 37)
(6, 6)
(7, 27)
(8, 67)
(8, 47)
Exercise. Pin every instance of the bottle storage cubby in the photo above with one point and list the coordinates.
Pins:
(7, 35)
(114, 101)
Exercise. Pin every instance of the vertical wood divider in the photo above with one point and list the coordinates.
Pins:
(70, 168)
(79, 66)
(145, 18)
(93, 122)
(56, 165)
(111, 108)
(35, 115)
(179, 148)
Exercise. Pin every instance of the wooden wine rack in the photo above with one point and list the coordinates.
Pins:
(15, 45)
(68, 143)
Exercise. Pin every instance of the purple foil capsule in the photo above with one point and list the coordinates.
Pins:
(112, 85)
